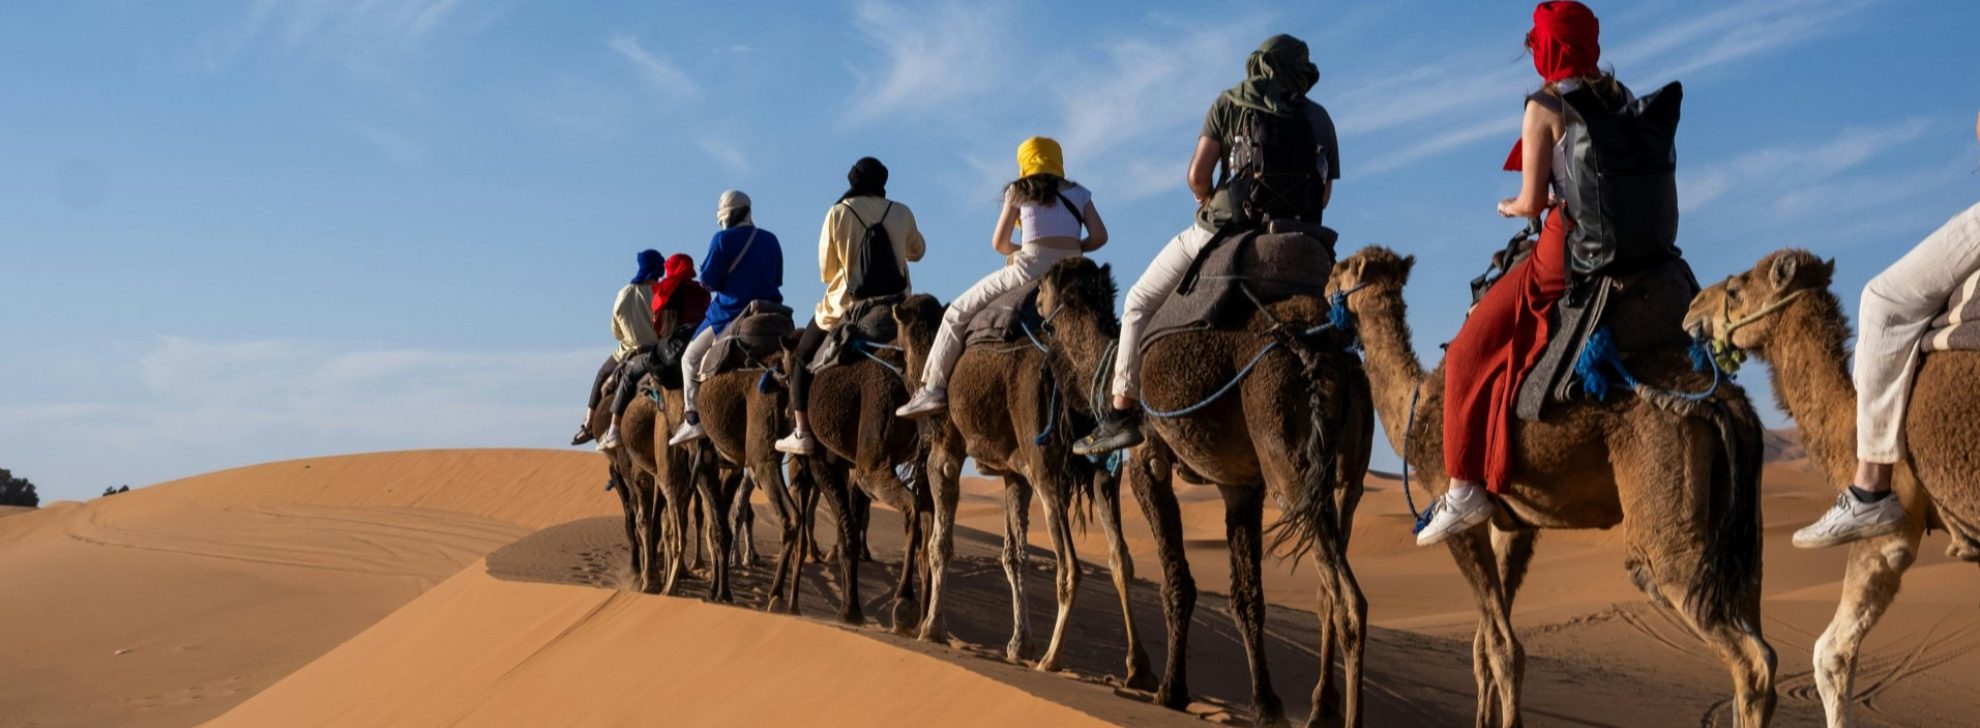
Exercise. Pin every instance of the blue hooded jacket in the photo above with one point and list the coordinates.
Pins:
(758, 276)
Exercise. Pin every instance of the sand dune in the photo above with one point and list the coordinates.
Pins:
(393, 589)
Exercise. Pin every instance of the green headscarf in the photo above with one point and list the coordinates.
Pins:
(1277, 75)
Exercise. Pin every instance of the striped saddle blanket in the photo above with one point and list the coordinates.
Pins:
(1958, 329)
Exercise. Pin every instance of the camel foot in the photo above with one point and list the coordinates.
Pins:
(852, 617)
(933, 635)
(1139, 678)
(1049, 664)
(1014, 652)
(906, 617)
(1173, 697)
(1270, 714)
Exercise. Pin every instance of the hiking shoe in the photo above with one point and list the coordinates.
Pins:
(583, 435)
(1851, 519)
(1119, 430)
(798, 442)
(689, 432)
(610, 440)
(925, 402)
(1452, 515)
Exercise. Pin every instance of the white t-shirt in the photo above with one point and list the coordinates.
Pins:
(1052, 220)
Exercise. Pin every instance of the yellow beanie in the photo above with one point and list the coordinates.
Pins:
(1040, 155)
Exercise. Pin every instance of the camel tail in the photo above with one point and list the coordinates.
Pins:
(1314, 515)
(1729, 583)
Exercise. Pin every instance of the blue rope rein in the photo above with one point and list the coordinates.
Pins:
(1600, 369)
(1338, 318)
(867, 348)
(1045, 368)
(1420, 519)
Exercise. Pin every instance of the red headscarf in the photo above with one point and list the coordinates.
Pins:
(679, 288)
(1566, 43)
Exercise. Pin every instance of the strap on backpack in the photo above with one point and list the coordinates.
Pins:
(745, 248)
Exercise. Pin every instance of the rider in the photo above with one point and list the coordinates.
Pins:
(744, 264)
(1898, 306)
(1050, 211)
(1278, 76)
(632, 326)
(679, 304)
(1507, 331)
(861, 211)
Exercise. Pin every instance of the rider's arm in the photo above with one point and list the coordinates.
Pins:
(1202, 166)
(1096, 229)
(1540, 131)
(1326, 193)
(1000, 237)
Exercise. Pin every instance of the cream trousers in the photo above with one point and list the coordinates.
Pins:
(697, 349)
(1898, 306)
(1145, 297)
(1027, 265)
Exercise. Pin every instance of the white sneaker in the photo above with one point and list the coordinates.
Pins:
(610, 440)
(924, 403)
(798, 442)
(1451, 515)
(1851, 519)
(689, 432)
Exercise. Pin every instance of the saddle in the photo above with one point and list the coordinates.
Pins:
(753, 336)
(868, 321)
(1956, 330)
(1004, 319)
(1240, 271)
(1653, 299)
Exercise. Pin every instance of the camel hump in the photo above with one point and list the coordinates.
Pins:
(1958, 328)
(1643, 312)
(1286, 261)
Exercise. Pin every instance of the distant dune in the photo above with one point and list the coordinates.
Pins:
(357, 590)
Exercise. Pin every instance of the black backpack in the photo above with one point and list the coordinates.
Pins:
(1273, 168)
(1621, 186)
(876, 272)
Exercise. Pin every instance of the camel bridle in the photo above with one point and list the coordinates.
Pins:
(1727, 354)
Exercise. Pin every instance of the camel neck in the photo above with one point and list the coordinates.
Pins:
(1394, 372)
(1811, 381)
(1082, 336)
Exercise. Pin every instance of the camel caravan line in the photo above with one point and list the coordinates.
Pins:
(1590, 387)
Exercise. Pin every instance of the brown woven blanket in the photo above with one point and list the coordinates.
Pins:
(1958, 329)
(999, 321)
(1271, 266)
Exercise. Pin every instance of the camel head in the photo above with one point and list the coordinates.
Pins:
(917, 319)
(1741, 311)
(1369, 272)
(1083, 285)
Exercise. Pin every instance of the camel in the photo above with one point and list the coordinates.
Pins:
(1016, 408)
(1682, 482)
(662, 493)
(743, 411)
(1783, 312)
(861, 442)
(1296, 428)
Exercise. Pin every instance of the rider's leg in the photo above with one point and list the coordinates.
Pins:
(1122, 427)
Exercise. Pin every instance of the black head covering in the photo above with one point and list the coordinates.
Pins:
(868, 178)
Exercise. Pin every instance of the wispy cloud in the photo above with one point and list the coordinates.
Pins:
(932, 55)
(1784, 170)
(725, 154)
(401, 149)
(658, 72)
(373, 40)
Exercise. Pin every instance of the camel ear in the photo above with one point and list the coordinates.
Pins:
(1783, 271)
(1828, 271)
(1408, 264)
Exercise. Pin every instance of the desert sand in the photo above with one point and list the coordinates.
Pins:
(479, 587)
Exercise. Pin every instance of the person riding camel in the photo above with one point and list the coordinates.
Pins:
(678, 296)
(1272, 98)
(1051, 212)
(1897, 309)
(744, 264)
(1508, 330)
(862, 215)
(632, 327)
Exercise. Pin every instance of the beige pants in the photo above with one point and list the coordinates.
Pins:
(1145, 297)
(1027, 265)
(1898, 306)
(697, 349)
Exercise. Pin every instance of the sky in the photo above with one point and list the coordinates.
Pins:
(234, 232)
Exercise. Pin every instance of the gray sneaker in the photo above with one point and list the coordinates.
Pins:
(1850, 520)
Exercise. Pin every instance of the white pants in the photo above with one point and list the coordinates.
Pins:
(1145, 297)
(1026, 266)
(691, 358)
(1898, 306)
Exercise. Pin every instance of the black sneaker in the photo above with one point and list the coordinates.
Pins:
(583, 435)
(1119, 430)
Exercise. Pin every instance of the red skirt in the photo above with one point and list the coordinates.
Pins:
(1500, 342)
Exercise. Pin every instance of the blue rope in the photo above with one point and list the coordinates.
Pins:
(1052, 412)
(1221, 391)
(654, 394)
(1599, 360)
(1409, 423)
(867, 347)
(763, 382)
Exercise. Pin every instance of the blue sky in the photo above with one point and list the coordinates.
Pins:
(232, 232)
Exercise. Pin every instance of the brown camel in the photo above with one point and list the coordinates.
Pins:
(1297, 427)
(862, 443)
(1682, 484)
(663, 492)
(1016, 408)
(743, 411)
(1797, 326)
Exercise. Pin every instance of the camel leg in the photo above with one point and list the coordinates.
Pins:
(832, 477)
(1121, 564)
(744, 515)
(1498, 660)
(1017, 527)
(1513, 553)
(906, 610)
(631, 510)
(787, 539)
(1343, 623)
(716, 493)
(1153, 489)
(1066, 576)
(863, 516)
(1876, 570)
(1243, 528)
(945, 473)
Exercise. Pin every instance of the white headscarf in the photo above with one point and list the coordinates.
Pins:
(733, 200)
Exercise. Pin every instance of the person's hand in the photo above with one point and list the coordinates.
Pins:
(1505, 207)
